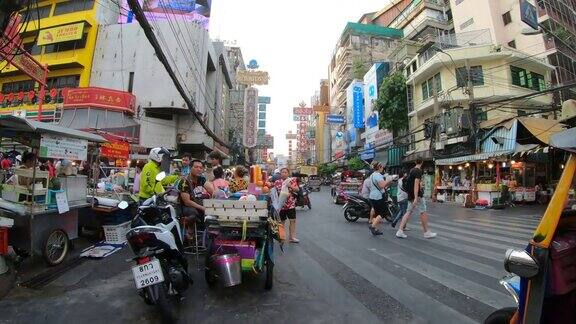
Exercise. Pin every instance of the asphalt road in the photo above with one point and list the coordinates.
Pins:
(337, 274)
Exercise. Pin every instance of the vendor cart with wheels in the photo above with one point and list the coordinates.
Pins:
(45, 218)
(239, 239)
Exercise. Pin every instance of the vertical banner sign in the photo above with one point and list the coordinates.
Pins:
(358, 106)
(250, 137)
(370, 89)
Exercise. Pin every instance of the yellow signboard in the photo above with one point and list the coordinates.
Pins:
(309, 169)
(60, 34)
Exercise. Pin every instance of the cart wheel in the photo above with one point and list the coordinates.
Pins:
(56, 246)
(269, 275)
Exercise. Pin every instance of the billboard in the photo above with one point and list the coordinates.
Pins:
(355, 104)
(250, 137)
(60, 34)
(248, 77)
(197, 11)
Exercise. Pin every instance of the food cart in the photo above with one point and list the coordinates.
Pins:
(45, 220)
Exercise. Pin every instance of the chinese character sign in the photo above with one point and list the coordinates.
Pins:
(250, 117)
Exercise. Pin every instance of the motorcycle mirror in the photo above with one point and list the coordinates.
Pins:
(123, 205)
(160, 176)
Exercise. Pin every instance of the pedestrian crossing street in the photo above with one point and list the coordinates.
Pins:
(452, 278)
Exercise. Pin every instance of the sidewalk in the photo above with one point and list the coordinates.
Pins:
(531, 210)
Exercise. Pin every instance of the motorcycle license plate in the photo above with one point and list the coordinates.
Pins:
(148, 274)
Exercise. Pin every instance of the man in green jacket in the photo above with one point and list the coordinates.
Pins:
(148, 184)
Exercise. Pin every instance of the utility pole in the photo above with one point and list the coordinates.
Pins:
(471, 103)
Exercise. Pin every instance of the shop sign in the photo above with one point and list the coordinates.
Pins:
(358, 106)
(250, 137)
(300, 118)
(99, 97)
(309, 170)
(60, 34)
(252, 77)
(29, 66)
(321, 109)
(383, 138)
(291, 136)
(528, 14)
(335, 119)
(264, 100)
(303, 111)
(60, 147)
(115, 150)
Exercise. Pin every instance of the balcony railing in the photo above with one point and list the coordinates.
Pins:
(471, 38)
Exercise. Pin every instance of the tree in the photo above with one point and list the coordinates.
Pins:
(392, 104)
(326, 169)
(356, 164)
(358, 69)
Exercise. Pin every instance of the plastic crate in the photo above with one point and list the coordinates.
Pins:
(116, 234)
(3, 241)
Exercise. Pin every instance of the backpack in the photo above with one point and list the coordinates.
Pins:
(408, 182)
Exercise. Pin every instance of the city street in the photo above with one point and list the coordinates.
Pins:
(337, 274)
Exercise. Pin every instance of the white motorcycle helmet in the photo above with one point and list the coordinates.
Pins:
(157, 153)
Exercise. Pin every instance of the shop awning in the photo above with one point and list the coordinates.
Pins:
(19, 125)
(471, 158)
(541, 128)
(565, 140)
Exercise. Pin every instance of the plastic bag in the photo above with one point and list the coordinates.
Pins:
(284, 192)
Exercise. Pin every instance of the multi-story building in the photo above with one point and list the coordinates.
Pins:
(503, 18)
(64, 39)
(129, 62)
(437, 79)
(236, 112)
(359, 46)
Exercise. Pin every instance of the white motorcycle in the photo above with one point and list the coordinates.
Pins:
(161, 270)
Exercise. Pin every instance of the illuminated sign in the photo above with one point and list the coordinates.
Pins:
(60, 34)
(197, 11)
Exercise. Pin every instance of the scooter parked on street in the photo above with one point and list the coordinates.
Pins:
(161, 270)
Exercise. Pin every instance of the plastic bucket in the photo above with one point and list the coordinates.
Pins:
(229, 269)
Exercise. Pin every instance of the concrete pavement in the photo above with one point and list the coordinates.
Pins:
(337, 274)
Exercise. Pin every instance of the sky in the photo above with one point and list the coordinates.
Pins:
(293, 41)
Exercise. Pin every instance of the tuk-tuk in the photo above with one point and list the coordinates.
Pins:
(543, 283)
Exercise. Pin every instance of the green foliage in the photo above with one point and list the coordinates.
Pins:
(358, 69)
(356, 164)
(392, 104)
(326, 169)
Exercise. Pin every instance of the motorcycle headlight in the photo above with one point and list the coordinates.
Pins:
(512, 285)
(521, 263)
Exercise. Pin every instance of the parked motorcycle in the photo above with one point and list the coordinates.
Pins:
(161, 270)
(357, 207)
(303, 198)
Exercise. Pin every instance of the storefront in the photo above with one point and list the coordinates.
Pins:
(513, 165)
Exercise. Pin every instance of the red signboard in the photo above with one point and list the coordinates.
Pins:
(115, 150)
(99, 97)
(303, 111)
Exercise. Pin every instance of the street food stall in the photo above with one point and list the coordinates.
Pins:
(44, 207)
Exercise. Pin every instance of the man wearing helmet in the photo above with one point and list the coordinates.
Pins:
(148, 184)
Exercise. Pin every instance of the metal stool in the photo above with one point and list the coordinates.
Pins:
(198, 246)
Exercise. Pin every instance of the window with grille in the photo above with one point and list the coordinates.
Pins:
(73, 6)
(428, 86)
(66, 46)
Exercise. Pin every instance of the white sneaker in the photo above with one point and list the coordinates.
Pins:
(429, 235)
(400, 234)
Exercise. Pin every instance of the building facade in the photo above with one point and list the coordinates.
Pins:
(441, 94)
(163, 115)
(358, 47)
(557, 43)
(69, 61)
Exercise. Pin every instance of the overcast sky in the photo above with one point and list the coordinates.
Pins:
(293, 41)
